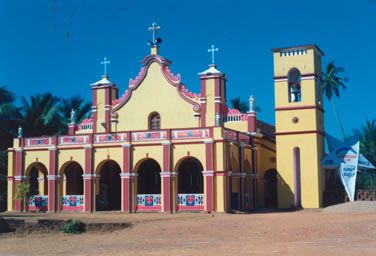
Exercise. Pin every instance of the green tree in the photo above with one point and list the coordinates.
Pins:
(23, 193)
(332, 82)
(367, 138)
(9, 118)
(41, 115)
(82, 108)
(239, 104)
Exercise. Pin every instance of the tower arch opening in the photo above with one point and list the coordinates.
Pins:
(294, 85)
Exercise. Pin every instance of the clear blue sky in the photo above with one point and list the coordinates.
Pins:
(57, 45)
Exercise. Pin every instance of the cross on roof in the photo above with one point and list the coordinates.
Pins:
(154, 28)
(104, 63)
(213, 50)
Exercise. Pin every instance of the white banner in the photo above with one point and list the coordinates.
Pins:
(348, 168)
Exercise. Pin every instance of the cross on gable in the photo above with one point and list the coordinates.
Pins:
(213, 50)
(154, 28)
(104, 63)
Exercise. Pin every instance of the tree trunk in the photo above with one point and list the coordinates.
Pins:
(338, 119)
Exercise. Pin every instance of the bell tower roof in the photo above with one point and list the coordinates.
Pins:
(104, 81)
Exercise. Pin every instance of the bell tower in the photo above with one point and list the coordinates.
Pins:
(299, 118)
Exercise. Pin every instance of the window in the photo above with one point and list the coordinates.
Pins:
(294, 82)
(154, 122)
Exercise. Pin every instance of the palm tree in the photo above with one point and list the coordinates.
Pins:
(239, 104)
(332, 82)
(82, 108)
(41, 115)
(9, 117)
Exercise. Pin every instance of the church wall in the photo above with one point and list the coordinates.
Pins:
(156, 94)
(181, 151)
(100, 110)
(210, 102)
(297, 61)
(143, 152)
(10, 183)
(31, 157)
(266, 160)
(311, 174)
(68, 155)
(237, 126)
(219, 180)
(108, 153)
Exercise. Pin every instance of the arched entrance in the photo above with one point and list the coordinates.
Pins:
(108, 196)
(270, 189)
(73, 187)
(235, 184)
(37, 174)
(149, 186)
(190, 185)
(248, 196)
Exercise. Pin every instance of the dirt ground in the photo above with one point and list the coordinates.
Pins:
(306, 232)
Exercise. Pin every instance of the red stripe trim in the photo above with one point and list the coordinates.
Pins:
(299, 132)
(299, 107)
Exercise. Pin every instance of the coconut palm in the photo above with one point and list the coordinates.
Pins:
(41, 115)
(9, 116)
(239, 104)
(82, 108)
(332, 82)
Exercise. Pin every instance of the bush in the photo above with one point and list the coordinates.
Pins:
(73, 227)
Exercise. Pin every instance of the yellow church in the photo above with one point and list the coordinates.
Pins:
(159, 147)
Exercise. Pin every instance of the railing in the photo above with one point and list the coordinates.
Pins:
(190, 134)
(230, 135)
(41, 141)
(105, 138)
(149, 135)
(234, 118)
(38, 203)
(74, 140)
(148, 202)
(191, 202)
(85, 127)
(73, 202)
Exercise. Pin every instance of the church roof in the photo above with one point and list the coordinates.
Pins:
(266, 129)
(212, 70)
(104, 81)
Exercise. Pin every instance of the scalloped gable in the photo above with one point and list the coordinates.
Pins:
(156, 89)
(174, 80)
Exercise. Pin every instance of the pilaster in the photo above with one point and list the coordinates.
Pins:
(88, 177)
(209, 176)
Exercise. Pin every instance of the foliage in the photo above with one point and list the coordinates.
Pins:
(332, 82)
(367, 138)
(366, 180)
(239, 104)
(3, 179)
(73, 227)
(23, 190)
(41, 115)
(9, 116)
(82, 108)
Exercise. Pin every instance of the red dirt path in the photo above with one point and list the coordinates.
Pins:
(308, 232)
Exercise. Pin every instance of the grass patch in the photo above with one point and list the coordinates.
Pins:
(73, 227)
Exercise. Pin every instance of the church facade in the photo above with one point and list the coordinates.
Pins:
(159, 147)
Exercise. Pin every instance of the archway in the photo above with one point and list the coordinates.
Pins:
(270, 189)
(235, 184)
(73, 188)
(149, 185)
(190, 185)
(37, 174)
(109, 195)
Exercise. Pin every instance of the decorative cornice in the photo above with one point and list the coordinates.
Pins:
(299, 132)
(299, 107)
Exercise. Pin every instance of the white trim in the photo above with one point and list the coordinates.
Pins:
(52, 148)
(166, 143)
(207, 173)
(90, 176)
(126, 145)
(167, 174)
(19, 149)
(53, 177)
(208, 141)
(280, 79)
(88, 147)
(128, 175)
(20, 177)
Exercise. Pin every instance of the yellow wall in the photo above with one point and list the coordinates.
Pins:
(100, 110)
(156, 94)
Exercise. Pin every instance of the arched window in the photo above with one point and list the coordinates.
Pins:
(154, 122)
(294, 82)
